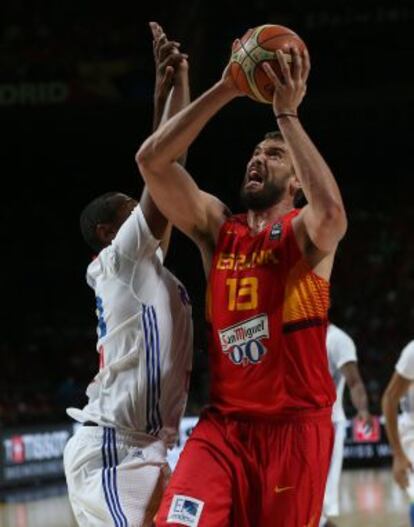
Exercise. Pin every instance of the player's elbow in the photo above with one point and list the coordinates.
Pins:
(327, 227)
(145, 157)
(334, 219)
(150, 155)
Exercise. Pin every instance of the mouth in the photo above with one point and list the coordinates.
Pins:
(254, 179)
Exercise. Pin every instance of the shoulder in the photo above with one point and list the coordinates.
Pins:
(340, 345)
(408, 351)
(405, 364)
(339, 334)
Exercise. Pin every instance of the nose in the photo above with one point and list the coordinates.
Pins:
(258, 158)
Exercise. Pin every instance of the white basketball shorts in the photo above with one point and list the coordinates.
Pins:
(114, 479)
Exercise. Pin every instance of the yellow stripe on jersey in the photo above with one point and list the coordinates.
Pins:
(306, 295)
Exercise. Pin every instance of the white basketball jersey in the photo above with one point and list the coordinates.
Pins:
(144, 337)
(341, 349)
(405, 367)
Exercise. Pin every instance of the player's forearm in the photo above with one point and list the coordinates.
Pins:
(315, 176)
(179, 98)
(389, 408)
(359, 397)
(171, 140)
(180, 95)
(159, 107)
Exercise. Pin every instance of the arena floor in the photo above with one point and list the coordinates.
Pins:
(368, 499)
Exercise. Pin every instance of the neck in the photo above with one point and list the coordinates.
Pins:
(258, 220)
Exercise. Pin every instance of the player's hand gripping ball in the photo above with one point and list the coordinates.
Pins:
(257, 45)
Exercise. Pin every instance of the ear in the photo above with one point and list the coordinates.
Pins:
(294, 185)
(105, 233)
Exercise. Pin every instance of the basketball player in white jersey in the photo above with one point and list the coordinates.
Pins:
(401, 434)
(344, 370)
(115, 464)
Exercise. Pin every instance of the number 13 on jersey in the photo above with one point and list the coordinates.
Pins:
(243, 294)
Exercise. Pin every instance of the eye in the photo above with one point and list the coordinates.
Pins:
(276, 154)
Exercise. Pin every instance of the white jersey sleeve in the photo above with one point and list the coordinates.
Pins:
(341, 348)
(133, 242)
(405, 364)
(135, 238)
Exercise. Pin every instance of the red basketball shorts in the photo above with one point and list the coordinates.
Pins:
(244, 473)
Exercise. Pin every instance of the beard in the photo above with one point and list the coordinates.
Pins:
(263, 199)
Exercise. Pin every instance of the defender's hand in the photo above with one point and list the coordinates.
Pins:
(170, 64)
(401, 466)
(366, 418)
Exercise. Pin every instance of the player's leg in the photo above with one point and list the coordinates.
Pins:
(294, 487)
(83, 468)
(142, 474)
(406, 431)
(331, 499)
(202, 488)
(410, 488)
(112, 480)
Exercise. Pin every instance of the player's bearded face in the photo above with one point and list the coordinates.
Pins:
(267, 175)
(264, 184)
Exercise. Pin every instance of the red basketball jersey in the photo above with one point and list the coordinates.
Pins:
(267, 313)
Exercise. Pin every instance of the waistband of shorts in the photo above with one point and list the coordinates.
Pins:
(318, 415)
(129, 439)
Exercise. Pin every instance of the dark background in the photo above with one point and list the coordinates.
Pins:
(76, 82)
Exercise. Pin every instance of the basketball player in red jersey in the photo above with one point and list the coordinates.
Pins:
(260, 454)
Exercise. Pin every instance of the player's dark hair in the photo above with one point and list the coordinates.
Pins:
(103, 209)
(274, 135)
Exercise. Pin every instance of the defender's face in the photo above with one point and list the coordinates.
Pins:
(106, 232)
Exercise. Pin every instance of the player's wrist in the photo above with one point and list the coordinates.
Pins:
(398, 453)
(286, 113)
(181, 75)
(227, 89)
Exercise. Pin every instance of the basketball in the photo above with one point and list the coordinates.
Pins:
(257, 45)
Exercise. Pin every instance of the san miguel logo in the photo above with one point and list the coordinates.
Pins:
(242, 342)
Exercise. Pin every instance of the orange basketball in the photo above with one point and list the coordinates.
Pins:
(257, 45)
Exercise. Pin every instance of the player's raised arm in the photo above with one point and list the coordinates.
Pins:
(324, 217)
(171, 94)
(195, 212)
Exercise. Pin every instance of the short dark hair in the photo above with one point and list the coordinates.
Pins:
(274, 135)
(103, 209)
